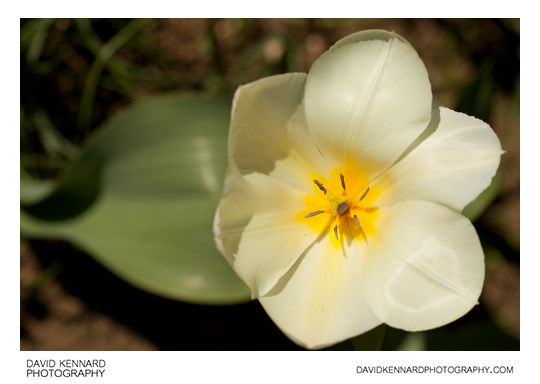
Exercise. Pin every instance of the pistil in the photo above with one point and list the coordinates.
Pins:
(340, 206)
(344, 209)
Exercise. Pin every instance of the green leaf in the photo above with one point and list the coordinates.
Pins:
(142, 196)
(105, 53)
(33, 191)
(476, 207)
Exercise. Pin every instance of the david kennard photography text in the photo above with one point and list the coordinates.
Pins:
(65, 368)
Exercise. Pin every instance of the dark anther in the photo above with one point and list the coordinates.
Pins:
(313, 214)
(335, 232)
(320, 186)
(360, 227)
(364, 194)
(357, 222)
(342, 181)
(343, 208)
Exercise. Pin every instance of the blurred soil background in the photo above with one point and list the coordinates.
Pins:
(77, 73)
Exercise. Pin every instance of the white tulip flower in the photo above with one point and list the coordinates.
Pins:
(342, 198)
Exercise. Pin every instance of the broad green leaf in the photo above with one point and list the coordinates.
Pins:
(33, 191)
(142, 196)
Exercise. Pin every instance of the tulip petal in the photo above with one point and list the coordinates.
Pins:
(269, 133)
(367, 98)
(255, 228)
(425, 267)
(318, 302)
(452, 166)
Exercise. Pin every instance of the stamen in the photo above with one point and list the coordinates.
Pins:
(364, 194)
(335, 232)
(319, 185)
(361, 229)
(357, 222)
(342, 181)
(313, 214)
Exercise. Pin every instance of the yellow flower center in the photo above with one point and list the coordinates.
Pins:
(342, 206)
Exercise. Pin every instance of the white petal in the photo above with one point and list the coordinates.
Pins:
(319, 302)
(425, 266)
(368, 98)
(452, 166)
(268, 132)
(257, 230)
